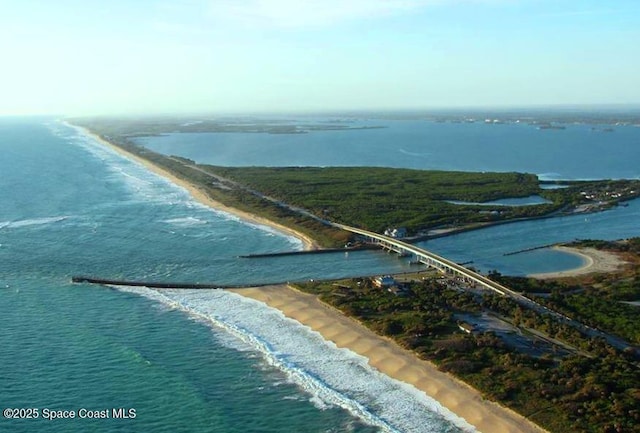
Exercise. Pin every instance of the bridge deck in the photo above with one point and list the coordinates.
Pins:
(433, 260)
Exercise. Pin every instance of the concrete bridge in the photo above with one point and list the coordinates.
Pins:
(433, 260)
(449, 267)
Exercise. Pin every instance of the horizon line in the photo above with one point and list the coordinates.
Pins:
(608, 107)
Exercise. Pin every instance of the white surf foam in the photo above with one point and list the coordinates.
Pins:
(185, 221)
(331, 376)
(292, 240)
(32, 222)
(149, 186)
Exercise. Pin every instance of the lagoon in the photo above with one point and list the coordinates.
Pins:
(577, 152)
(74, 207)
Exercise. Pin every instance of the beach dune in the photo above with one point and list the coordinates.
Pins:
(382, 353)
(391, 359)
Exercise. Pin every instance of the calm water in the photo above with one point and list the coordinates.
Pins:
(185, 361)
(573, 153)
(577, 152)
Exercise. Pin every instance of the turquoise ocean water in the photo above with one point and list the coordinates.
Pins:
(193, 361)
(186, 361)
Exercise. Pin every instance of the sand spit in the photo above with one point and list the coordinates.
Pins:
(595, 261)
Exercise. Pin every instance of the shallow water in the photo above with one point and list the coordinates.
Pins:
(184, 363)
(190, 361)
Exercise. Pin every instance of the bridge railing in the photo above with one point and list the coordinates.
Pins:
(429, 256)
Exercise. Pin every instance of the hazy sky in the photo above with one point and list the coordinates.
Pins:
(161, 56)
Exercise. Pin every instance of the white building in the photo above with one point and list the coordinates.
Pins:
(398, 232)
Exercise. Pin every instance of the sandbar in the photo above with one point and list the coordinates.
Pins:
(595, 261)
(389, 358)
(200, 195)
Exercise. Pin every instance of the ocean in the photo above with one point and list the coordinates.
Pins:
(194, 361)
(184, 361)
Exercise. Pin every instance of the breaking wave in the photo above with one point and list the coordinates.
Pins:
(330, 375)
(148, 186)
(31, 222)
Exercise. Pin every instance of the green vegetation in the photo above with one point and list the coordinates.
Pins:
(377, 198)
(366, 197)
(596, 388)
(145, 127)
(233, 196)
(599, 306)
(627, 246)
(598, 301)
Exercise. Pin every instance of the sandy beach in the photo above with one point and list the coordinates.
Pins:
(382, 353)
(392, 360)
(594, 261)
(201, 196)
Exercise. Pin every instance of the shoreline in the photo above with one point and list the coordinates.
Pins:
(382, 353)
(392, 360)
(594, 261)
(201, 196)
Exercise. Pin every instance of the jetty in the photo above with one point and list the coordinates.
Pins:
(309, 252)
(539, 247)
(158, 284)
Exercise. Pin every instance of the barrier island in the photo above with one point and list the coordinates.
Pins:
(554, 373)
(422, 203)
